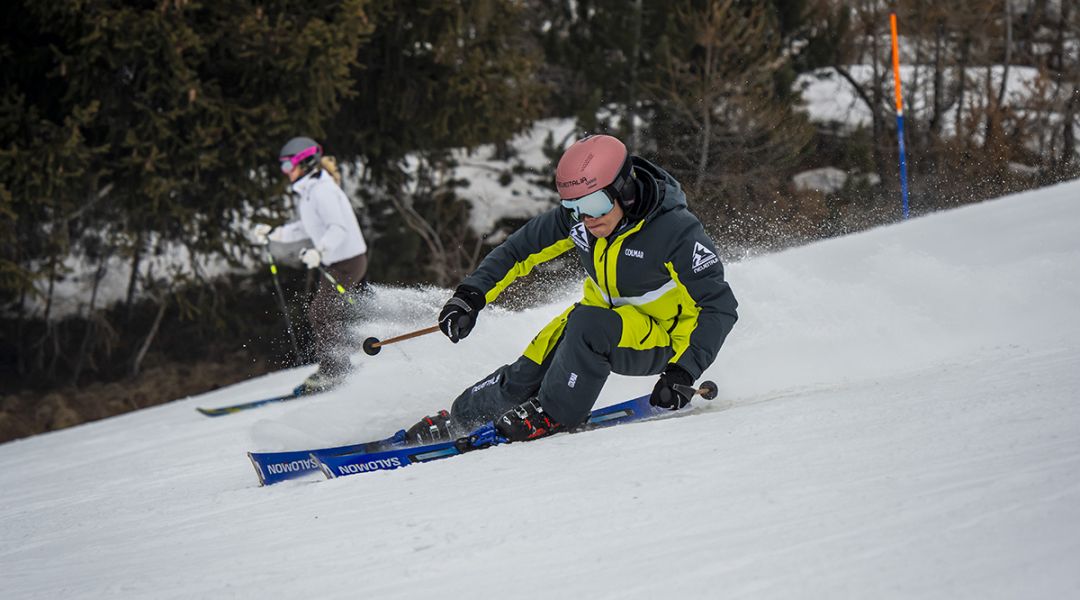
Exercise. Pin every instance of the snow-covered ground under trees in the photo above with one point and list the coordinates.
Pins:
(899, 418)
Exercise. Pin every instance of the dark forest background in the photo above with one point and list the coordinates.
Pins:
(129, 128)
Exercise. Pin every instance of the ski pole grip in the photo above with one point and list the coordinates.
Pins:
(708, 390)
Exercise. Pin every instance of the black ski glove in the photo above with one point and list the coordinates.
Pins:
(665, 395)
(459, 314)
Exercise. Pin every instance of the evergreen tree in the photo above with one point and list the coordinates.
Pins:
(129, 126)
(721, 124)
(431, 78)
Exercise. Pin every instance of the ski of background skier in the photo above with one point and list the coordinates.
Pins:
(234, 408)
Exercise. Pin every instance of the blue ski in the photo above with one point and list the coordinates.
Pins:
(340, 463)
(272, 467)
(394, 452)
(228, 410)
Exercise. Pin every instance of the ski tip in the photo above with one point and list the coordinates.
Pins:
(258, 469)
(326, 470)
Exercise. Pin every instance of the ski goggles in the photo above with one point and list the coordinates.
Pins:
(596, 204)
(288, 163)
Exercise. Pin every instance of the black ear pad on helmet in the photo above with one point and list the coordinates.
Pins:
(640, 195)
(624, 188)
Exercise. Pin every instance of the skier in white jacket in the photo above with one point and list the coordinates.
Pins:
(328, 220)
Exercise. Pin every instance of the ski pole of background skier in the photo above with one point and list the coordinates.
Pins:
(337, 286)
(281, 301)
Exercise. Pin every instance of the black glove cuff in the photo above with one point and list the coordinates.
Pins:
(676, 374)
(458, 302)
(472, 296)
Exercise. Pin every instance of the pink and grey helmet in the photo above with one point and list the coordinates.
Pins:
(593, 174)
(300, 151)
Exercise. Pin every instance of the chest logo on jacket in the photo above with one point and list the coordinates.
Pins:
(580, 237)
(703, 258)
(634, 253)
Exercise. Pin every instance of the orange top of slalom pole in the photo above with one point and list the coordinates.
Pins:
(896, 64)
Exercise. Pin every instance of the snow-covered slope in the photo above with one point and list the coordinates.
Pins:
(899, 418)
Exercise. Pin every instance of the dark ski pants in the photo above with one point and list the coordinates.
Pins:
(567, 364)
(329, 315)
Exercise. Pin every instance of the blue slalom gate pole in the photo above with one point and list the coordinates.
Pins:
(899, 115)
(903, 164)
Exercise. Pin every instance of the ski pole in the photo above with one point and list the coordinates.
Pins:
(337, 286)
(708, 390)
(373, 345)
(281, 300)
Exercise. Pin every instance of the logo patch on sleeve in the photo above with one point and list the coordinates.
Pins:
(703, 258)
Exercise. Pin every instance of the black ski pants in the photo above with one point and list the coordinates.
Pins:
(567, 364)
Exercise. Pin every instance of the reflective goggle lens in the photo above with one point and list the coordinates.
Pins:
(596, 204)
(287, 165)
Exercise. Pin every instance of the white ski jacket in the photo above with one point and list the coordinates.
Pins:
(326, 218)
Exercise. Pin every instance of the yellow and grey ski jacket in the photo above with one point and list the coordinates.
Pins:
(663, 265)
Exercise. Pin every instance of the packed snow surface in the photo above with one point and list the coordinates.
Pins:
(899, 418)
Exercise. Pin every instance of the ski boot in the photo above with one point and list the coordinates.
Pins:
(525, 422)
(429, 430)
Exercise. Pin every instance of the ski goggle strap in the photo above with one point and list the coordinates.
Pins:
(288, 163)
(596, 204)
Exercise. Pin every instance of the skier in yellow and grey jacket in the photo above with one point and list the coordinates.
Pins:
(655, 300)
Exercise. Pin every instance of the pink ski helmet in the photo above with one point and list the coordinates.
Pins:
(594, 163)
